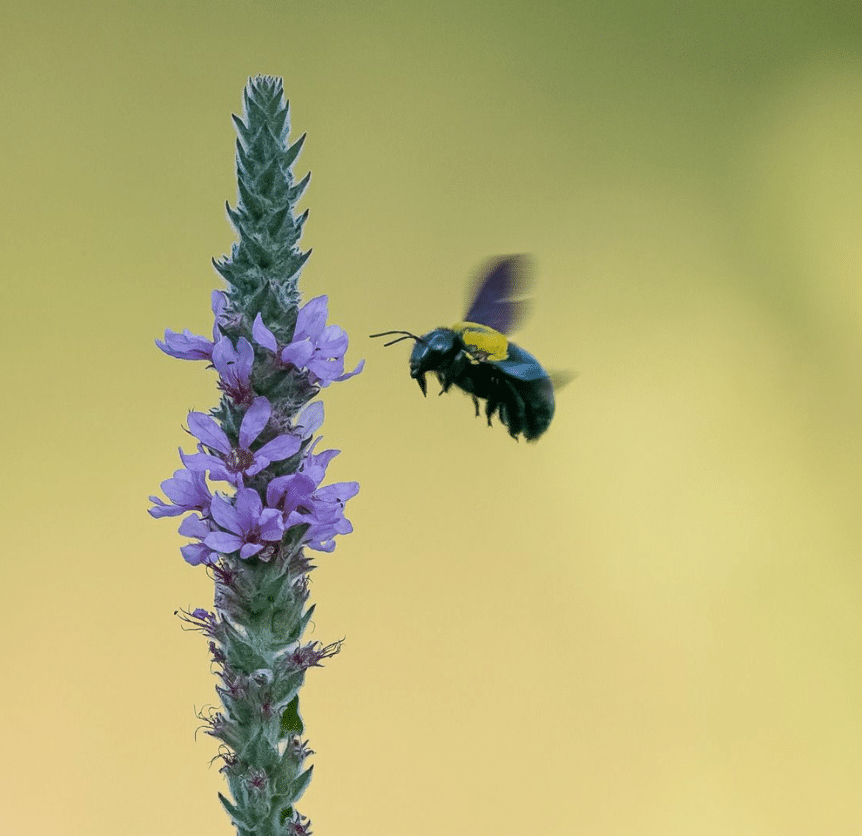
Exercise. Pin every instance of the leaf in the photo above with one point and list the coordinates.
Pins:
(301, 783)
(291, 722)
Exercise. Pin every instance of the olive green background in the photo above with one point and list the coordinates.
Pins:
(648, 623)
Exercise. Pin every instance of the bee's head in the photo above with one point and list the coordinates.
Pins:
(430, 351)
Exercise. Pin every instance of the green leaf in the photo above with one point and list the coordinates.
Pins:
(291, 722)
(275, 223)
(241, 129)
(293, 152)
(296, 192)
(238, 819)
(301, 783)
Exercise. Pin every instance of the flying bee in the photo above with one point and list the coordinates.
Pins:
(476, 356)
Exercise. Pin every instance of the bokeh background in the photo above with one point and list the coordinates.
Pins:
(649, 622)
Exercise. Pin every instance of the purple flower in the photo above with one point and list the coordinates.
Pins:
(231, 464)
(315, 464)
(196, 553)
(187, 490)
(249, 526)
(201, 619)
(291, 494)
(189, 346)
(186, 346)
(328, 515)
(234, 368)
(303, 503)
(317, 347)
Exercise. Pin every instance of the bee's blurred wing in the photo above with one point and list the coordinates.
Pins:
(501, 298)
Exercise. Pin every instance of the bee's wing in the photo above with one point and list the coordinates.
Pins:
(500, 299)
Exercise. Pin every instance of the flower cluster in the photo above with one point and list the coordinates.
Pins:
(265, 505)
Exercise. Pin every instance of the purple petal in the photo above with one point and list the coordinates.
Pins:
(223, 542)
(244, 359)
(277, 488)
(262, 335)
(199, 462)
(311, 319)
(326, 370)
(250, 549)
(338, 491)
(298, 494)
(332, 342)
(197, 553)
(298, 353)
(226, 515)
(223, 352)
(186, 346)
(270, 525)
(218, 301)
(315, 466)
(294, 518)
(188, 488)
(193, 526)
(248, 509)
(162, 509)
(226, 357)
(219, 473)
(359, 367)
(281, 447)
(310, 419)
(253, 422)
(205, 429)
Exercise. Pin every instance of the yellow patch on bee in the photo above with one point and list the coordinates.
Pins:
(484, 343)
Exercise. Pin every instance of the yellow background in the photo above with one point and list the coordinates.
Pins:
(647, 623)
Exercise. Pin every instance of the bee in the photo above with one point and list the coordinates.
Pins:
(476, 356)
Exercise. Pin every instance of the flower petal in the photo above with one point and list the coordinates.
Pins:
(270, 525)
(186, 346)
(277, 488)
(248, 509)
(187, 488)
(223, 542)
(197, 553)
(311, 319)
(162, 509)
(332, 342)
(281, 447)
(201, 461)
(298, 353)
(253, 422)
(310, 419)
(193, 526)
(262, 335)
(359, 367)
(250, 549)
(338, 491)
(205, 429)
(226, 515)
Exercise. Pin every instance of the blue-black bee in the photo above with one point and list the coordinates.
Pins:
(476, 356)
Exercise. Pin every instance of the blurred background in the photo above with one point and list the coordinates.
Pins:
(649, 622)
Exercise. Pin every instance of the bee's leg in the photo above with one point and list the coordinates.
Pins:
(476, 404)
(516, 411)
(420, 379)
(491, 407)
(453, 371)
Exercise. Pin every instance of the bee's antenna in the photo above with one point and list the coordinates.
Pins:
(407, 336)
